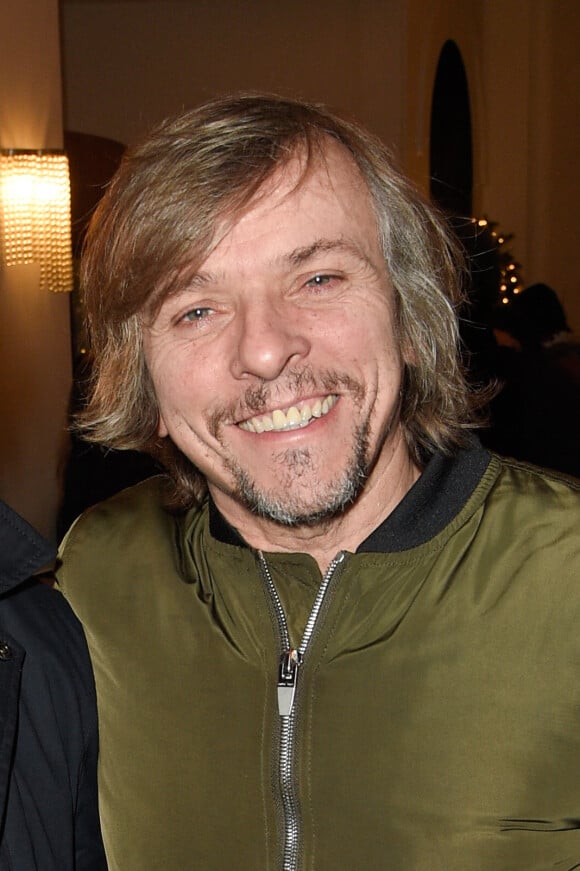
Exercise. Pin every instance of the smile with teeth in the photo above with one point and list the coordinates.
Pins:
(295, 417)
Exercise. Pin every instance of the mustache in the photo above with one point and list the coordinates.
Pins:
(261, 397)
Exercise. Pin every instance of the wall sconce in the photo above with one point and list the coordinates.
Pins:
(35, 214)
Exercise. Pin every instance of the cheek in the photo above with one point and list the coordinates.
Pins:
(374, 344)
(188, 394)
(174, 398)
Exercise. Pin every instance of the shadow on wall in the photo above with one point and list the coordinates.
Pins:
(90, 472)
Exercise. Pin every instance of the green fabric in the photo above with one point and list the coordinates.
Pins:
(438, 709)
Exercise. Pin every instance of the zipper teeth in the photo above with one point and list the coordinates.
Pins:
(281, 617)
(279, 610)
(289, 803)
(287, 723)
(318, 602)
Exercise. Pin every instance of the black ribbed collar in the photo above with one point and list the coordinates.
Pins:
(23, 550)
(437, 496)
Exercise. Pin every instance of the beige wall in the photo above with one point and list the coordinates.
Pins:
(129, 64)
(429, 26)
(34, 324)
(523, 69)
(555, 231)
(531, 180)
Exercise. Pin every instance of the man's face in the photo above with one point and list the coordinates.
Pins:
(277, 369)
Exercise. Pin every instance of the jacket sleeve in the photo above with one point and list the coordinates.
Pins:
(52, 809)
(89, 852)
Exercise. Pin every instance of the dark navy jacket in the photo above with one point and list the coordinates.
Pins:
(48, 721)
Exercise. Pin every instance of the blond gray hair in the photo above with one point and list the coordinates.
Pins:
(159, 217)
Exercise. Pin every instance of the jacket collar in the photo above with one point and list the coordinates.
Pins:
(23, 551)
(437, 496)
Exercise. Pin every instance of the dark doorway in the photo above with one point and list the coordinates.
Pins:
(450, 153)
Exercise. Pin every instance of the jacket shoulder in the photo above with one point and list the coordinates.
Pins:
(122, 541)
(532, 509)
(23, 550)
(532, 483)
(137, 511)
(146, 497)
(44, 624)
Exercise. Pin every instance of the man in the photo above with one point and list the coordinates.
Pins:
(351, 642)
(48, 723)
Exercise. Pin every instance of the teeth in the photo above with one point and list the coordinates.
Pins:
(293, 415)
(292, 418)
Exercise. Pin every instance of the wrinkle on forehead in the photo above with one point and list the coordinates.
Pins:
(331, 174)
(286, 179)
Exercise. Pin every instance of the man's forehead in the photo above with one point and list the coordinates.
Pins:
(329, 171)
(291, 258)
(329, 167)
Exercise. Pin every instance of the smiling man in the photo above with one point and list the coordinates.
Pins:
(291, 320)
(339, 634)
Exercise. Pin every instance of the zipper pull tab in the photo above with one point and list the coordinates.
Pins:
(287, 681)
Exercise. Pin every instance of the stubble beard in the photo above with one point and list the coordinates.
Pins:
(294, 509)
(297, 500)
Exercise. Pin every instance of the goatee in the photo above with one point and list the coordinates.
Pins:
(294, 510)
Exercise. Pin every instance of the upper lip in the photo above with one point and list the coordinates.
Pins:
(292, 418)
(284, 405)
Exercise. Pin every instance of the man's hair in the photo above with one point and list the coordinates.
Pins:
(158, 222)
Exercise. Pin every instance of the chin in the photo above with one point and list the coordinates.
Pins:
(305, 493)
(288, 509)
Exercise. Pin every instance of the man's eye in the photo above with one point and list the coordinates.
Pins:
(320, 280)
(195, 315)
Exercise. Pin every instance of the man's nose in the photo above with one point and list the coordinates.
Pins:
(267, 340)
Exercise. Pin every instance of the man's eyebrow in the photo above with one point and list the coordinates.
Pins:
(297, 257)
(200, 279)
(190, 281)
(302, 255)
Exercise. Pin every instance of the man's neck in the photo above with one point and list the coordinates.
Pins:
(380, 496)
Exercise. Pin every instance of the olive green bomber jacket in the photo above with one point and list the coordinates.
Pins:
(437, 709)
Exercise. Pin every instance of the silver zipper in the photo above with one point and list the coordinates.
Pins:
(290, 661)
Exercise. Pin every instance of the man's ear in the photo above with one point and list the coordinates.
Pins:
(162, 430)
(408, 354)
